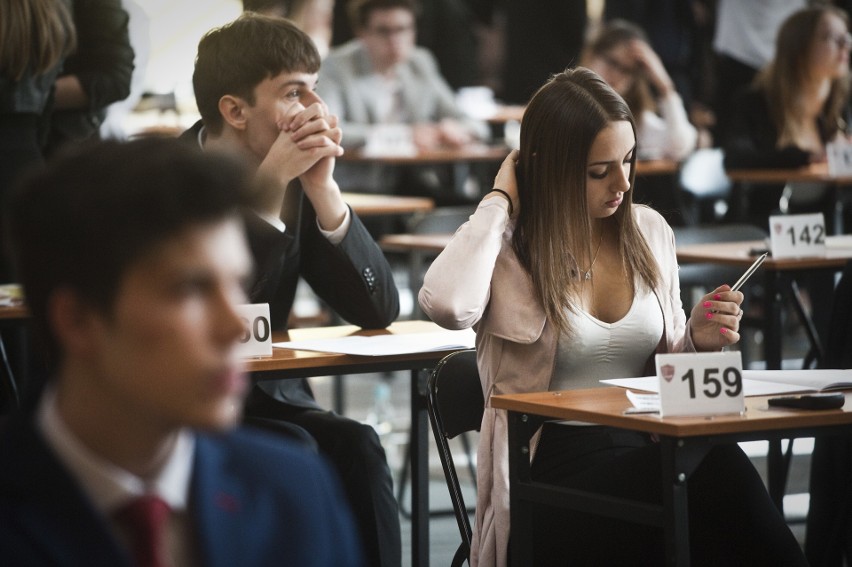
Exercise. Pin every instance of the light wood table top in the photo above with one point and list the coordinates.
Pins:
(465, 154)
(12, 312)
(606, 406)
(657, 167)
(369, 204)
(434, 243)
(817, 172)
(507, 112)
(302, 363)
(739, 254)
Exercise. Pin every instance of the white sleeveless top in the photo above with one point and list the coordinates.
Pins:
(601, 350)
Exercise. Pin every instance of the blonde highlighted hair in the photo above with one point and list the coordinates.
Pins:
(35, 36)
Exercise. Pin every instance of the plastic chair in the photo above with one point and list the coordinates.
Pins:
(455, 405)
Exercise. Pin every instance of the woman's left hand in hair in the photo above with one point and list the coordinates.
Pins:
(715, 320)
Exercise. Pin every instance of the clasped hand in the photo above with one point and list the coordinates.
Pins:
(307, 143)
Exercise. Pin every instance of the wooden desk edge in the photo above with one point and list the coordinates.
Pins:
(606, 405)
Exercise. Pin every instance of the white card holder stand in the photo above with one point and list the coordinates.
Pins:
(257, 337)
(706, 383)
(797, 236)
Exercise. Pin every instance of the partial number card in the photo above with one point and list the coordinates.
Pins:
(257, 336)
(706, 383)
(839, 157)
(797, 236)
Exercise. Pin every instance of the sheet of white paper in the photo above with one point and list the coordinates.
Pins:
(643, 403)
(804, 379)
(383, 345)
(757, 382)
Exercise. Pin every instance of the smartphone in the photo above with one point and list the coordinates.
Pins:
(752, 269)
(810, 401)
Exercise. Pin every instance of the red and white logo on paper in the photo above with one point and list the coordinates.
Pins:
(667, 371)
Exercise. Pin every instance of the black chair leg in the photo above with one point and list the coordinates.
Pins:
(403, 479)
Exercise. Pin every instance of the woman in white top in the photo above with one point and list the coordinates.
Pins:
(567, 282)
(622, 56)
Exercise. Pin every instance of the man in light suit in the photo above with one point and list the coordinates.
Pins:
(254, 84)
(381, 77)
(133, 260)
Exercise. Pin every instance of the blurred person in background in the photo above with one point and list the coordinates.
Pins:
(382, 78)
(744, 43)
(97, 74)
(621, 55)
(795, 106)
(35, 38)
(314, 17)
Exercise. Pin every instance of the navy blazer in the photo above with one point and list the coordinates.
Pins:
(254, 500)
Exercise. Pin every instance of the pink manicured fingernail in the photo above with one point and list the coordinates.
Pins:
(717, 297)
(723, 330)
(708, 315)
(708, 304)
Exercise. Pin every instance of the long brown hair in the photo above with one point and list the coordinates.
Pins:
(560, 125)
(783, 79)
(35, 35)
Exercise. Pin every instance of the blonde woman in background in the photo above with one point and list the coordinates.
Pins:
(35, 38)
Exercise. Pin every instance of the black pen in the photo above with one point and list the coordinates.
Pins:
(753, 268)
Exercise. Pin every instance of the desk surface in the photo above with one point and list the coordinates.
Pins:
(507, 112)
(13, 312)
(814, 172)
(738, 254)
(468, 153)
(606, 406)
(369, 204)
(657, 167)
(310, 363)
(415, 242)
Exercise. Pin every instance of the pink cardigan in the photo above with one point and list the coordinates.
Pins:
(477, 281)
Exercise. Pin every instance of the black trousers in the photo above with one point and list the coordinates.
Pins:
(732, 521)
(359, 458)
(828, 538)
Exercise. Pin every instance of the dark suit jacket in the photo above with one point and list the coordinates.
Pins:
(254, 501)
(352, 277)
(752, 136)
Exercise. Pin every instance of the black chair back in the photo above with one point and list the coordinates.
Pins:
(455, 404)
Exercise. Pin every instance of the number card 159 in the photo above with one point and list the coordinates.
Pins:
(704, 383)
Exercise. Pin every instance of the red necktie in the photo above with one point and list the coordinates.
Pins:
(145, 518)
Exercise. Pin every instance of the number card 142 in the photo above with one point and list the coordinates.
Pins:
(706, 383)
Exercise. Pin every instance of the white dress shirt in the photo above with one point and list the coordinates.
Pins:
(109, 487)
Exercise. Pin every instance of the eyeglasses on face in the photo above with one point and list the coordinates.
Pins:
(842, 41)
(387, 32)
